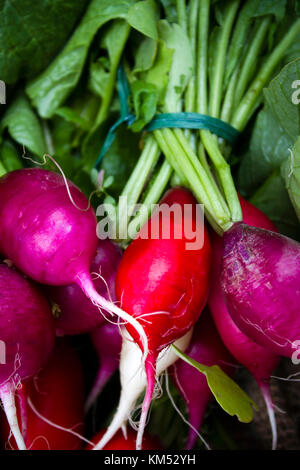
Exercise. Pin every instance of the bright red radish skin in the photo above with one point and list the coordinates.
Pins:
(163, 280)
(260, 279)
(260, 361)
(119, 442)
(57, 393)
(27, 331)
(107, 342)
(50, 237)
(206, 347)
(78, 314)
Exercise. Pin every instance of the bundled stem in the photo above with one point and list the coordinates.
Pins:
(198, 157)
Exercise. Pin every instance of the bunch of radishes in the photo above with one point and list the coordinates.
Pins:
(48, 238)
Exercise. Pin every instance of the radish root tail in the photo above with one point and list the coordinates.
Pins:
(265, 390)
(7, 396)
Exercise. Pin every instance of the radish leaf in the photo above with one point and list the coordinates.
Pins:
(228, 394)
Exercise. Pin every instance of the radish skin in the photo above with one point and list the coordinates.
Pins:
(134, 381)
(27, 330)
(260, 279)
(258, 360)
(49, 238)
(164, 283)
(78, 315)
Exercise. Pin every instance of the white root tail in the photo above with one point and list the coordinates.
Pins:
(7, 396)
(133, 380)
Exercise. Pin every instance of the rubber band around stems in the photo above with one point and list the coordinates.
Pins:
(183, 120)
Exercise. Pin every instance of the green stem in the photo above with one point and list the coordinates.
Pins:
(251, 58)
(204, 163)
(190, 95)
(224, 174)
(218, 74)
(140, 174)
(181, 156)
(138, 178)
(227, 106)
(181, 14)
(244, 110)
(202, 97)
(153, 195)
(105, 104)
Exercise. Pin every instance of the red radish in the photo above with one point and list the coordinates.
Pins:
(78, 314)
(27, 336)
(107, 342)
(134, 381)
(258, 360)
(163, 283)
(260, 279)
(120, 442)
(57, 395)
(207, 348)
(48, 233)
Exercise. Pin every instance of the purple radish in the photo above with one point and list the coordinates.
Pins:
(49, 233)
(108, 343)
(78, 314)
(206, 347)
(27, 338)
(258, 360)
(261, 279)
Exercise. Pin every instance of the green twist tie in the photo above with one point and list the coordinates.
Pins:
(182, 120)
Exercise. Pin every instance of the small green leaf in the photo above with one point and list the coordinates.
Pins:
(145, 99)
(9, 156)
(24, 126)
(228, 394)
(108, 182)
(291, 171)
(143, 17)
(145, 55)
(72, 116)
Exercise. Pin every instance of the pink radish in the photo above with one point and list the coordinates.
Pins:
(164, 284)
(107, 342)
(260, 279)
(50, 234)
(134, 381)
(27, 338)
(78, 314)
(258, 360)
(206, 347)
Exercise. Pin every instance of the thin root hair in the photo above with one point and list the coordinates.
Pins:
(182, 416)
(57, 426)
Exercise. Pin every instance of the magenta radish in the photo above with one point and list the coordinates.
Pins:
(27, 337)
(77, 314)
(207, 348)
(260, 279)
(163, 282)
(49, 233)
(107, 342)
(134, 381)
(258, 360)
